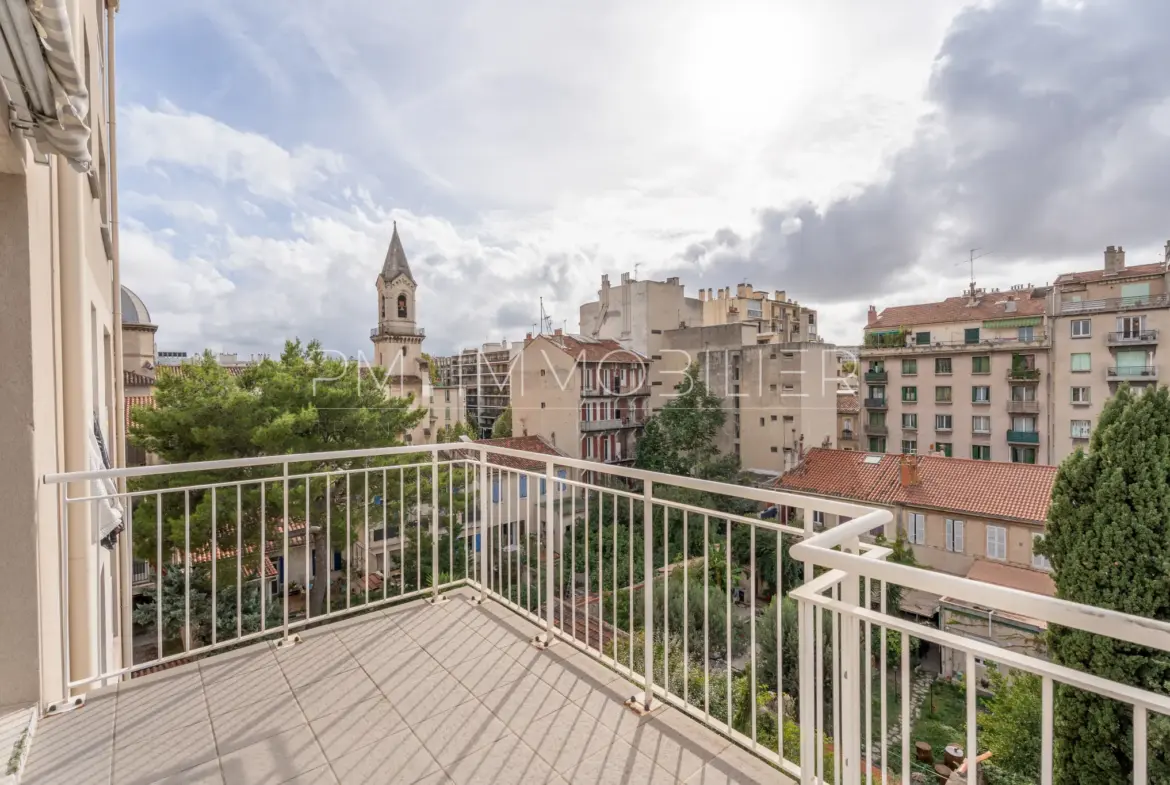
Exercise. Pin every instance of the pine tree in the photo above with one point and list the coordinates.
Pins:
(502, 427)
(1108, 538)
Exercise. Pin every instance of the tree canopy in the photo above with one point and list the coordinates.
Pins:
(681, 438)
(1107, 536)
(502, 427)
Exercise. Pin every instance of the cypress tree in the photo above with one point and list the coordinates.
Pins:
(1109, 543)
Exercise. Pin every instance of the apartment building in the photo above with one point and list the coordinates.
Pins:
(777, 318)
(484, 375)
(586, 396)
(965, 377)
(636, 313)
(978, 519)
(1107, 327)
(60, 396)
(780, 397)
(848, 420)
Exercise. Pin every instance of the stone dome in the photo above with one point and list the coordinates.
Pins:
(133, 309)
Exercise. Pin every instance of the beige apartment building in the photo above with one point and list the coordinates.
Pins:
(398, 344)
(1108, 325)
(636, 313)
(848, 420)
(61, 391)
(777, 318)
(973, 518)
(966, 377)
(780, 398)
(586, 396)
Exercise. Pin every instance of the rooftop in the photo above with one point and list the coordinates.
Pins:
(987, 306)
(848, 402)
(1096, 276)
(593, 349)
(454, 693)
(992, 489)
(537, 444)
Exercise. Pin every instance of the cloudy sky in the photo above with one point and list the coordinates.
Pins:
(849, 153)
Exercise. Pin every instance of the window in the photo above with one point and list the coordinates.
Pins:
(909, 447)
(910, 394)
(877, 444)
(981, 394)
(774, 448)
(876, 392)
(877, 419)
(971, 335)
(523, 486)
(761, 421)
(402, 306)
(1080, 395)
(1027, 333)
(909, 367)
(818, 520)
(1081, 429)
(922, 338)
(910, 421)
(1129, 326)
(997, 543)
(774, 418)
(1039, 561)
(1024, 424)
(954, 536)
(942, 365)
(981, 424)
(772, 388)
(449, 411)
(942, 422)
(1080, 362)
(946, 448)
(916, 528)
(981, 452)
(1023, 454)
(496, 490)
(1023, 392)
(1081, 328)
(942, 394)
(1136, 291)
(981, 364)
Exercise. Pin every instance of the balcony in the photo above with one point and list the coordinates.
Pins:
(388, 331)
(592, 426)
(1115, 304)
(1025, 375)
(1132, 338)
(847, 436)
(1023, 407)
(876, 403)
(1023, 437)
(1132, 373)
(486, 659)
(876, 377)
(877, 430)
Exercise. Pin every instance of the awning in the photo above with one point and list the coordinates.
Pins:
(1019, 321)
(41, 77)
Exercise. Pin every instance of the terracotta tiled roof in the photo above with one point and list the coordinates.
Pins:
(181, 369)
(136, 400)
(527, 444)
(135, 379)
(1095, 276)
(986, 489)
(848, 404)
(273, 534)
(956, 309)
(594, 349)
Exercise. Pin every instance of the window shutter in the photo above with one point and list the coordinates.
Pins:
(959, 537)
(950, 535)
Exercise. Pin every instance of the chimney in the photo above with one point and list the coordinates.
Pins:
(558, 331)
(625, 278)
(711, 297)
(1166, 257)
(780, 296)
(702, 295)
(1114, 259)
(909, 470)
(527, 337)
(871, 317)
(741, 290)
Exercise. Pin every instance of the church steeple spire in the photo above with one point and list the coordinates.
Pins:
(396, 263)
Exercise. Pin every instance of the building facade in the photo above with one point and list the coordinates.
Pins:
(1108, 324)
(967, 377)
(587, 397)
(636, 313)
(848, 420)
(61, 390)
(776, 318)
(484, 374)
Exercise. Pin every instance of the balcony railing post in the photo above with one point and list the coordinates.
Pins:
(850, 693)
(549, 488)
(435, 598)
(648, 588)
(484, 528)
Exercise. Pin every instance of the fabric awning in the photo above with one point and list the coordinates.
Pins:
(38, 41)
(1019, 321)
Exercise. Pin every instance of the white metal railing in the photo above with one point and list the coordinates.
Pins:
(834, 598)
(659, 577)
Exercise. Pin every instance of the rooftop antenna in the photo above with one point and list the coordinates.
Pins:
(636, 266)
(971, 257)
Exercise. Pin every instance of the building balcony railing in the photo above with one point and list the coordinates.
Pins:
(1023, 374)
(383, 330)
(877, 377)
(1132, 338)
(1145, 373)
(847, 435)
(1023, 407)
(1115, 304)
(590, 426)
(876, 403)
(1038, 340)
(877, 430)
(1023, 437)
(634, 686)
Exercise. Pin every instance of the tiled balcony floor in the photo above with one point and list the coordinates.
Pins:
(413, 694)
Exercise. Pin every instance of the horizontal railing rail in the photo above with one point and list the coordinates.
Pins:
(1133, 371)
(1115, 304)
(1132, 336)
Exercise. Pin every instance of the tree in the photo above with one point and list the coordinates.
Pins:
(680, 438)
(303, 402)
(1009, 726)
(451, 433)
(432, 368)
(1108, 528)
(502, 428)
